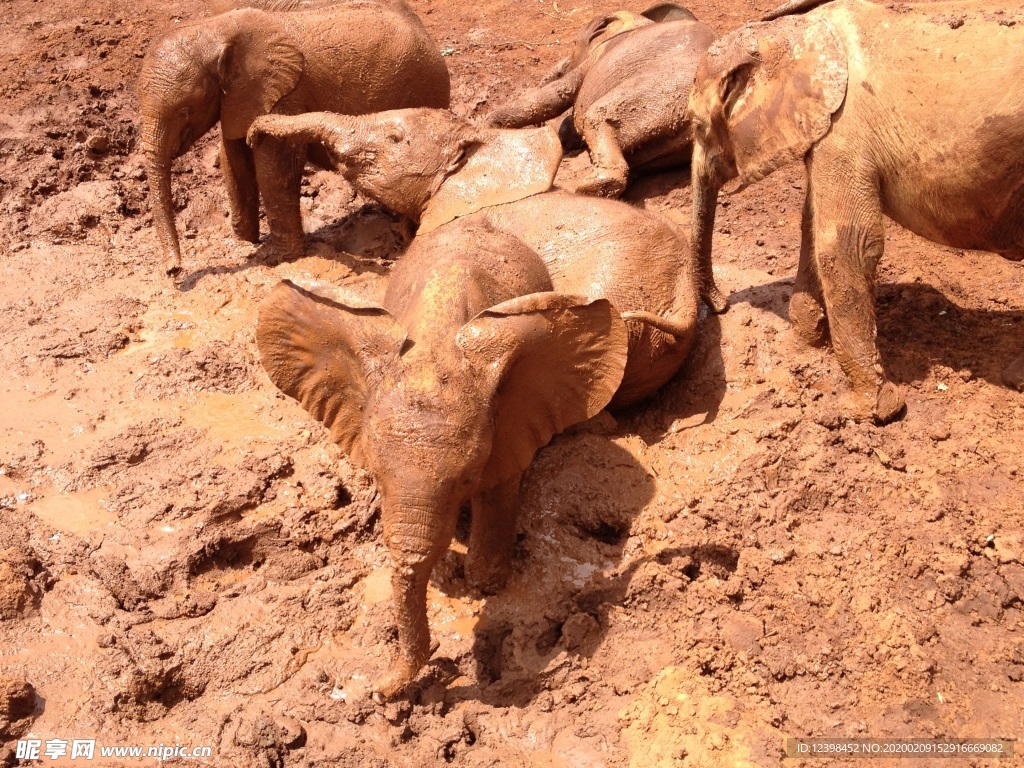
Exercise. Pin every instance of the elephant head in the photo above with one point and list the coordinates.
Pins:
(438, 419)
(762, 97)
(231, 68)
(426, 164)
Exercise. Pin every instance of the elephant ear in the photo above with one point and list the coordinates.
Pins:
(668, 12)
(503, 166)
(553, 360)
(320, 346)
(258, 64)
(779, 100)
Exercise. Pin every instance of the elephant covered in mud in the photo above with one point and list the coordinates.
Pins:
(627, 82)
(481, 199)
(894, 110)
(354, 58)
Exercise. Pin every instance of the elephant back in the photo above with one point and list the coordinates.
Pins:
(661, 56)
(366, 57)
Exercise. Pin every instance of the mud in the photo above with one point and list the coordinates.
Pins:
(186, 558)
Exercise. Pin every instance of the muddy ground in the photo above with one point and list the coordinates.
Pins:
(186, 558)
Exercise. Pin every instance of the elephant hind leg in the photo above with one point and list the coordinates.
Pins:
(492, 536)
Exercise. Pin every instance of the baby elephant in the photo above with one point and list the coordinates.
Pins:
(467, 425)
(627, 82)
(354, 57)
(895, 111)
(445, 392)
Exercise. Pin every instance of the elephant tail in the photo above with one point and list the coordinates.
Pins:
(792, 8)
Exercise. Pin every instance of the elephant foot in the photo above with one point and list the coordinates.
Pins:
(250, 233)
(883, 405)
(889, 403)
(602, 183)
(1013, 374)
(489, 579)
(281, 249)
(808, 320)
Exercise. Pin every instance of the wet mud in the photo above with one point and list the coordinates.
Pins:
(186, 558)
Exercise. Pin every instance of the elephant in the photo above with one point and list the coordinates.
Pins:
(352, 57)
(627, 82)
(895, 110)
(477, 194)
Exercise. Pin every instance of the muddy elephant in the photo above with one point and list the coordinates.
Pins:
(354, 57)
(627, 82)
(476, 192)
(895, 110)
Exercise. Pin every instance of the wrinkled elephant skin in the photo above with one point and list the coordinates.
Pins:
(445, 392)
(627, 83)
(248, 62)
(894, 111)
(479, 195)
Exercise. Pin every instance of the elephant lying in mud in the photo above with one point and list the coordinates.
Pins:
(439, 433)
(355, 58)
(627, 82)
(912, 111)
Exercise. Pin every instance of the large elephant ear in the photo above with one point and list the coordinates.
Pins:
(668, 12)
(779, 99)
(553, 360)
(319, 346)
(503, 165)
(258, 64)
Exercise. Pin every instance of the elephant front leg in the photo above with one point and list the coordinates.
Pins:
(807, 305)
(279, 173)
(610, 171)
(239, 169)
(848, 243)
(492, 536)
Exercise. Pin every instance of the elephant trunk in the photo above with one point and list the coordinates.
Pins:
(159, 145)
(335, 132)
(705, 200)
(417, 533)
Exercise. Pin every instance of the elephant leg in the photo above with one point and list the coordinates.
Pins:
(279, 172)
(848, 243)
(610, 171)
(540, 104)
(239, 169)
(416, 542)
(807, 305)
(492, 536)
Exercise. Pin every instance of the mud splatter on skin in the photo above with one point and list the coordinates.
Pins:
(733, 542)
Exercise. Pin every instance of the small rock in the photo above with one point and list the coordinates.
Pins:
(938, 431)
(98, 143)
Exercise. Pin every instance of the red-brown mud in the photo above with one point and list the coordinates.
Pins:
(186, 558)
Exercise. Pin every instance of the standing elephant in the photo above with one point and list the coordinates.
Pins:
(480, 196)
(354, 57)
(627, 82)
(912, 111)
